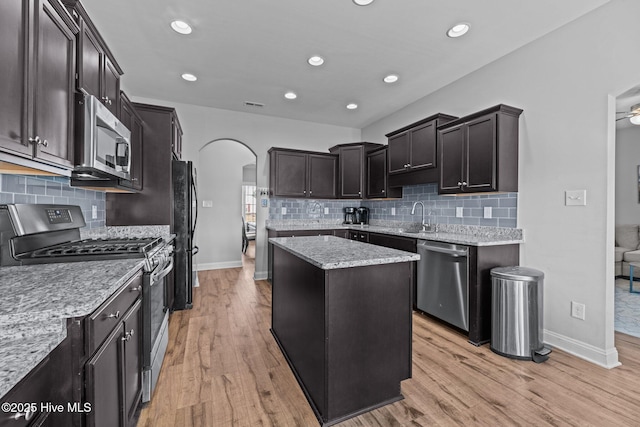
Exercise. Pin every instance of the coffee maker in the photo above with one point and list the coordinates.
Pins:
(349, 215)
(362, 216)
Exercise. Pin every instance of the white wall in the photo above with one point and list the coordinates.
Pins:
(220, 181)
(627, 163)
(202, 125)
(565, 82)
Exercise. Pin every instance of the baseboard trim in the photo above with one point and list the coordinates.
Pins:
(601, 357)
(219, 265)
(261, 275)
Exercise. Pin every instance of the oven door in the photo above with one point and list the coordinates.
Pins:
(155, 310)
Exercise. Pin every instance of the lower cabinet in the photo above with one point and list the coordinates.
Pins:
(361, 236)
(49, 382)
(113, 374)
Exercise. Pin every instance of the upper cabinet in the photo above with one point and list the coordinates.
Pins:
(377, 182)
(176, 138)
(37, 47)
(414, 147)
(479, 152)
(132, 120)
(98, 73)
(296, 173)
(352, 168)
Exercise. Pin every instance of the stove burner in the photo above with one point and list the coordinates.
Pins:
(85, 250)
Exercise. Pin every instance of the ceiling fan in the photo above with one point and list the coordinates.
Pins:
(633, 114)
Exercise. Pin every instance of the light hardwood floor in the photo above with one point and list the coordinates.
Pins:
(223, 368)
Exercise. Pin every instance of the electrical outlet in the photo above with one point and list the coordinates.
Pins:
(488, 211)
(577, 310)
(393, 210)
(326, 211)
(459, 211)
(94, 212)
(283, 211)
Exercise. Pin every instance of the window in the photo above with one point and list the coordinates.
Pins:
(249, 203)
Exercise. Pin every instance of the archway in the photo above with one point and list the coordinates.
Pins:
(220, 180)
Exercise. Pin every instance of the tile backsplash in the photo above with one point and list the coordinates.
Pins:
(443, 209)
(56, 190)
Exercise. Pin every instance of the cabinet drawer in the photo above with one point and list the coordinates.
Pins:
(102, 321)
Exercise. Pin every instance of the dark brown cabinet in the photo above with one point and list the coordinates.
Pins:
(352, 168)
(396, 242)
(37, 47)
(48, 382)
(176, 138)
(98, 72)
(154, 204)
(112, 340)
(132, 120)
(479, 153)
(377, 182)
(295, 173)
(414, 147)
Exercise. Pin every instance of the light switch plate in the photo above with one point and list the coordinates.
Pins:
(207, 203)
(575, 197)
(94, 212)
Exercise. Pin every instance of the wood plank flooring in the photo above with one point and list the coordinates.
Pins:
(223, 368)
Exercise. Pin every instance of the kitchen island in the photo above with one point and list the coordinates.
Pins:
(341, 314)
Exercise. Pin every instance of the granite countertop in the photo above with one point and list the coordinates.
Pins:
(37, 300)
(330, 252)
(458, 234)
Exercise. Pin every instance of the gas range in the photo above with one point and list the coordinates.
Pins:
(39, 233)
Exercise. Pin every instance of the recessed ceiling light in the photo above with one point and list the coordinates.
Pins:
(363, 2)
(391, 78)
(290, 95)
(189, 77)
(458, 30)
(181, 27)
(316, 60)
(352, 106)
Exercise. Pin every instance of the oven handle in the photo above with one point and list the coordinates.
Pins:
(155, 277)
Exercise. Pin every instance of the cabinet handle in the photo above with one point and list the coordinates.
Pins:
(459, 183)
(137, 289)
(304, 191)
(38, 141)
(128, 335)
(359, 193)
(310, 192)
(383, 191)
(114, 315)
(464, 183)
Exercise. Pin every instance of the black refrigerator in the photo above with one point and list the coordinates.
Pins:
(185, 218)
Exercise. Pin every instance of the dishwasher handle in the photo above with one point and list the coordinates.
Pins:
(452, 252)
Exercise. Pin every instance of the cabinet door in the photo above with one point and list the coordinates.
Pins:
(423, 147)
(377, 174)
(351, 172)
(132, 365)
(290, 174)
(111, 85)
(451, 151)
(399, 153)
(14, 19)
(480, 155)
(90, 63)
(54, 88)
(323, 171)
(103, 382)
(134, 124)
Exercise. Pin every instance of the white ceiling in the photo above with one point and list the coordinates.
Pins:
(256, 50)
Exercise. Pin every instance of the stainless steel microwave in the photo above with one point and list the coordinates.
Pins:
(104, 149)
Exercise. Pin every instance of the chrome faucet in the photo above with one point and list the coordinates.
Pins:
(425, 226)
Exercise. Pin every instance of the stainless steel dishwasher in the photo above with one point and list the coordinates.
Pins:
(443, 282)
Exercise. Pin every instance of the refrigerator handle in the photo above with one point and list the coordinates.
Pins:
(195, 195)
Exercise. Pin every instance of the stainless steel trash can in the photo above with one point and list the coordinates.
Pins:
(516, 313)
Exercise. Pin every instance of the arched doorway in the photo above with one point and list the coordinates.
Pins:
(221, 164)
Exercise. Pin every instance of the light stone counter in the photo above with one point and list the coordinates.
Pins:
(458, 234)
(330, 252)
(37, 300)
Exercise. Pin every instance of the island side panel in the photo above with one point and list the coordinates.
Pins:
(369, 336)
(298, 321)
(482, 259)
